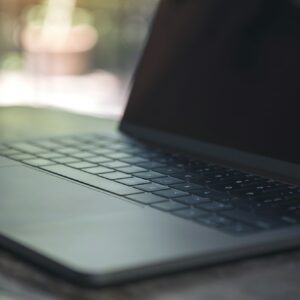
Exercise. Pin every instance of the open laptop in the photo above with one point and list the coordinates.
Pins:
(205, 167)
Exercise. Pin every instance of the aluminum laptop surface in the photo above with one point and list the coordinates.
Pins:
(201, 125)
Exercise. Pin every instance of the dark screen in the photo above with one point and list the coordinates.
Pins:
(224, 72)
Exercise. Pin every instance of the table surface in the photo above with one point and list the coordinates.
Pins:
(271, 277)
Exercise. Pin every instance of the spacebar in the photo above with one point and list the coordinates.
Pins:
(92, 180)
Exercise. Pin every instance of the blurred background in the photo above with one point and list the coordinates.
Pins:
(77, 55)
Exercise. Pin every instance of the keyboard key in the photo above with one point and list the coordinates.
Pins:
(150, 154)
(171, 193)
(47, 144)
(187, 176)
(260, 189)
(115, 164)
(187, 186)
(82, 155)
(92, 180)
(192, 200)
(131, 169)
(82, 165)
(101, 151)
(115, 175)
(167, 180)
(133, 151)
(290, 192)
(50, 155)
(223, 175)
(98, 170)
(207, 193)
(134, 160)
(102, 143)
(287, 205)
(38, 162)
(22, 156)
(168, 205)
(97, 159)
(209, 169)
(268, 201)
(66, 160)
(120, 147)
(117, 155)
(215, 206)
(26, 147)
(88, 147)
(222, 197)
(234, 184)
(163, 158)
(151, 187)
(67, 150)
(168, 170)
(179, 165)
(150, 165)
(146, 198)
(133, 181)
(191, 213)
(293, 207)
(11, 152)
(149, 175)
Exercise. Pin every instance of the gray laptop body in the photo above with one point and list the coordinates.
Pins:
(205, 166)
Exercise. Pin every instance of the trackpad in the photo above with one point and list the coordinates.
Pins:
(30, 197)
(90, 231)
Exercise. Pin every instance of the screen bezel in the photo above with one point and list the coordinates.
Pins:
(283, 170)
(259, 164)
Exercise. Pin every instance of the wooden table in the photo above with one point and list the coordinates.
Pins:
(271, 277)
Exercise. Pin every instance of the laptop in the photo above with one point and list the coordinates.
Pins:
(205, 166)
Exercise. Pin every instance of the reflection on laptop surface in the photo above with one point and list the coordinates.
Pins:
(207, 152)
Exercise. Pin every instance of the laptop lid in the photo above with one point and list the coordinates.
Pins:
(223, 76)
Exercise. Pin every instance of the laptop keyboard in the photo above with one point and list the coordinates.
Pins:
(230, 200)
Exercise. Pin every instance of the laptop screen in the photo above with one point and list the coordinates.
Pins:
(223, 72)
